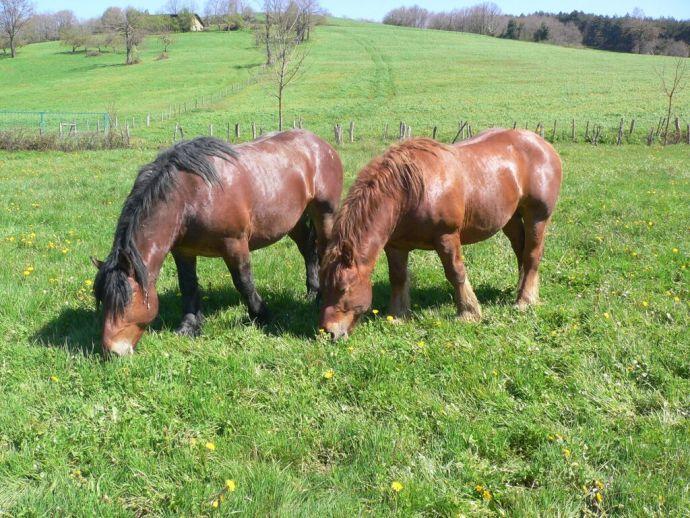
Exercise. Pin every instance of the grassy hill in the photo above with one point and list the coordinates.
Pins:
(369, 73)
(578, 407)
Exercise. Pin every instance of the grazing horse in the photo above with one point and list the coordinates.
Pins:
(425, 195)
(204, 198)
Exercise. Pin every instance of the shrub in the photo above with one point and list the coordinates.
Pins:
(25, 140)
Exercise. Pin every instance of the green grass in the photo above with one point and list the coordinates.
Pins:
(591, 386)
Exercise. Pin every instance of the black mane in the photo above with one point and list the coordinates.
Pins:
(154, 183)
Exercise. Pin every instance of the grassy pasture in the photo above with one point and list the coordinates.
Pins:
(524, 414)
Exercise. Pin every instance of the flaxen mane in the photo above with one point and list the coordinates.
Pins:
(395, 175)
(153, 185)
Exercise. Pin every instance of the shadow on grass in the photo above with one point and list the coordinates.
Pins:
(433, 296)
(78, 330)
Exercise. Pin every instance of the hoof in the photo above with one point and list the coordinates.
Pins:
(471, 317)
(523, 305)
(188, 330)
(262, 317)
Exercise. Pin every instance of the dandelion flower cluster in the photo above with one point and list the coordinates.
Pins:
(397, 486)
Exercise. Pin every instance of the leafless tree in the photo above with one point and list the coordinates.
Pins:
(284, 54)
(14, 15)
(672, 83)
(127, 24)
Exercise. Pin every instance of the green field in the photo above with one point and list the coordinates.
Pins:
(522, 415)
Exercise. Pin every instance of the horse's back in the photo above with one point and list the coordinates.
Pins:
(263, 191)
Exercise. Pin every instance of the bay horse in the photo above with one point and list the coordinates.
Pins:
(205, 198)
(422, 194)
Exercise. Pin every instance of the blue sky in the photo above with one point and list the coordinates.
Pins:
(376, 9)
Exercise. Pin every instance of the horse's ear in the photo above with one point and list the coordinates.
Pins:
(347, 253)
(98, 264)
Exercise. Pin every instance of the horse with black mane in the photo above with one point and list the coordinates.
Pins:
(205, 198)
(425, 195)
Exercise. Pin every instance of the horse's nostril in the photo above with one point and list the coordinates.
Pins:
(332, 335)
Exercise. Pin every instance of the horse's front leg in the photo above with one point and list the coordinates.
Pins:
(191, 296)
(450, 252)
(238, 260)
(400, 282)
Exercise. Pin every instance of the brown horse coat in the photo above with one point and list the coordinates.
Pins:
(203, 198)
(425, 195)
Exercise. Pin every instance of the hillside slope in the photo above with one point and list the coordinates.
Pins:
(364, 72)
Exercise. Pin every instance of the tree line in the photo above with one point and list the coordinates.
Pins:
(633, 32)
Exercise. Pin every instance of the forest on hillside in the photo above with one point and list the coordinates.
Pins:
(634, 32)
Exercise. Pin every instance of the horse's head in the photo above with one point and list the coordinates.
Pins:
(128, 307)
(345, 290)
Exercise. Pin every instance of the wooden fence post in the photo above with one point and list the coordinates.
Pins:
(385, 132)
(572, 131)
(352, 131)
(632, 127)
(460, 130)
(687, 135)
(227, 132)
(238, 131)
(148, 120)
(619, 140)
(433, 133)
(253, 130)
(678, 135)
(650, 137)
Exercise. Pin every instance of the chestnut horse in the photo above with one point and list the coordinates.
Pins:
(425, 195)
(204, 198)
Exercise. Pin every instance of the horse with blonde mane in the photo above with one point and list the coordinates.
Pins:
(422, 194)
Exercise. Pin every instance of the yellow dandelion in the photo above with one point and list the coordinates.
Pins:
(390, 318)
(88, 282)
(210, 446)
(645, 303)
(421, 344)
(599, 497)
(375, 311)
(486, 495)
(215, 503)
(676, 299)
(329, 374)
(65, 250)
(396, 486)
(675, 250)
(599, 484)
(230, 485)
(566, 453)
(54, 379)
(26, 273)
(607, 316)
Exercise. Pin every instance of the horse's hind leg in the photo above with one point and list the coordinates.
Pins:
(238, 261)
(450, 252)
(191, 297)
(400, 282)
(322, 213)
(515, 231)
(535, 229)
(304, 235)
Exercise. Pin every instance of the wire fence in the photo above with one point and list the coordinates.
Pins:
(62, 123)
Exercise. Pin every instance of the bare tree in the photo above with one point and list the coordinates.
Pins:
(127, 24)
(285, 55)
(14, 15)
(166, 39)
(672, 83)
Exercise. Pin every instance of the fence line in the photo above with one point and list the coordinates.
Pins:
(625, 131)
